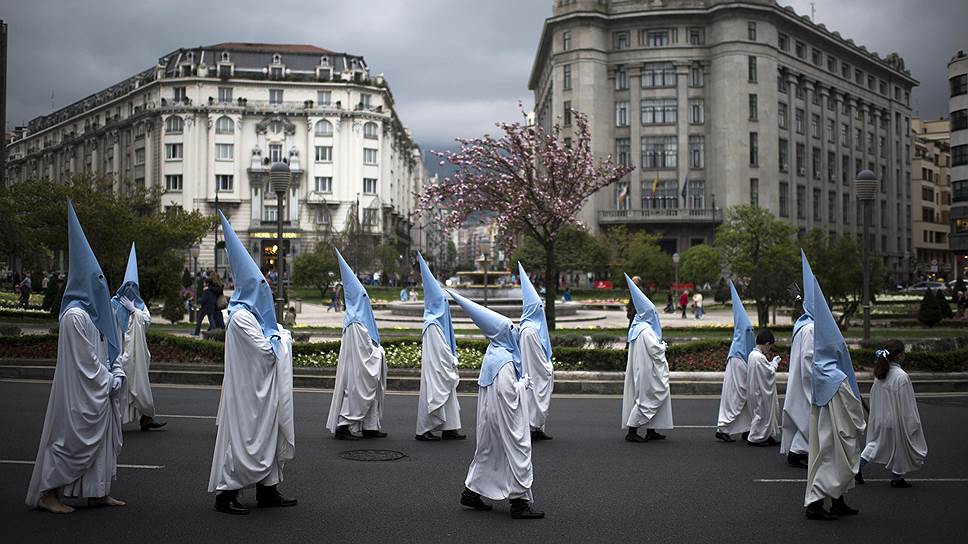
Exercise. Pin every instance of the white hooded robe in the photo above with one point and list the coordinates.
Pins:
(764, 406)
(535, 363)
(836, 441)
(361, 383)
(894, 434)
(256, 433)
(734, 414)
(437, 408)
(799, 392)
(647, 401)
(136, 390)
(81, 439)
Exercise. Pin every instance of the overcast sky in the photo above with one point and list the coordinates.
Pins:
(455, 66)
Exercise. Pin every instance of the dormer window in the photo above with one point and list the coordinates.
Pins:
(225, 56)
(324, 61)
(276, 58)
(190, 56)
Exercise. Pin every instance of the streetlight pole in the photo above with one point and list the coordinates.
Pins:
(675, 261)
(865, 187)
(194, 252)
(280, 178)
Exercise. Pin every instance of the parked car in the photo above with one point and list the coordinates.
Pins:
(923, 286)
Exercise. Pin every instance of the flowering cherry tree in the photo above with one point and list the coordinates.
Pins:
(530, 179)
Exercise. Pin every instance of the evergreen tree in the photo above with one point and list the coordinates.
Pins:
(944, 306)
(930, 311)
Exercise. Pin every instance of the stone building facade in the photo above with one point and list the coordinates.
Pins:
(958, 106)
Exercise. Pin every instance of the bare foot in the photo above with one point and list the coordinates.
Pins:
(106, 500)
(52, 504)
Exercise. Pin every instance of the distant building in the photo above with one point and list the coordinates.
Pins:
(720, 103)
(958, 106)
(931, 195)
(204, 124)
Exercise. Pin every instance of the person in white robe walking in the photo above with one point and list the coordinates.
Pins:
(81, 438)
(501, 468)
(356, 410)
(734, 413)
(133, 320)
(836, 419)
(761, 392)
(799, 387)
(256, 432)
(536, 356)
(646, 401)
(437, 406)
(895, 437)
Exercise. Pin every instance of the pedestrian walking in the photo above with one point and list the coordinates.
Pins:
(683, 302)
(26, 287)
(734, 414)
(206, 308)
(761, 393)
(697, 305)
(630, 305)
(535, 344)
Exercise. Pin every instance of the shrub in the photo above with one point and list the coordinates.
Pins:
(944, 306)
(9, 330)
(567, 340)
(930, 311)
(173, 309)
(605, 341)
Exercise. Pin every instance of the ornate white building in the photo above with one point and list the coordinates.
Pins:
(204, 124)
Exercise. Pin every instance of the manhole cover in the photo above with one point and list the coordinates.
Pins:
(372, 455)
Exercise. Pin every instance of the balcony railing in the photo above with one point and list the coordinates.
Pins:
(661, 215)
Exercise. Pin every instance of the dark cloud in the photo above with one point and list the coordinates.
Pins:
(455, 67)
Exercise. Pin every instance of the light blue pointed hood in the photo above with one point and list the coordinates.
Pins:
(645, 313)
(533, 311)
(808, 281)
(744, 339)
(87, 288)
(501, 335)
(436, 307)
(252, 292)
(831, 359)
(130, 289)
(358, 308)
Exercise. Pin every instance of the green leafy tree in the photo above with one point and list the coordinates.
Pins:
(635, 253)
(700, 264)
(837, 261)
(575, 250)
(173, 310)
(317, 269)
(930, 311)
(722, 291)
(759, 250)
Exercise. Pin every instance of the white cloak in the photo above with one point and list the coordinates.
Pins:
(536, 364)
(256, 434)
(437, 408)
(894, 434)
(361, 382)
(501, 468)
(136, 391)
(647, 401)
(799, 392)
(836, 441)
(81, 440)
(734, 414)
(763, 403)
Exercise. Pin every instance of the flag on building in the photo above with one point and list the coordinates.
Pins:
(685, 188)
(655, 184)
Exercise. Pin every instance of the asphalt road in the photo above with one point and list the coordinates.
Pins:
(594, 486)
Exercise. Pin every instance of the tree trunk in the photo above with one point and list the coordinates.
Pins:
(551, 284)
(763, 313)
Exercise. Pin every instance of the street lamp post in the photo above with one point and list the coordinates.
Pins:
(675, 261)
(865, 187)
(194, 251)
(280, 177)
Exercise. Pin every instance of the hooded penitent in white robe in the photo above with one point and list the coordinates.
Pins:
(734, 412)
(647, 402)
(437, 408)
(502, 468)
(796, 402)
(81, 439)
(136, 391)
(761, 398)
(361, 383)
(256, 434)
(536, 364)
(836, 441)
(894, 434)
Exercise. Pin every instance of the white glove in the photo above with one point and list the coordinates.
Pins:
(527, 381)
(115, 384)
(775, 362)
(127, 304)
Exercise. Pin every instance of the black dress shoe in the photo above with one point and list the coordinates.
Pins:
(373, 433)
(724, 437)
(227, 502)
(453, 435)
(428, 437)
(633, 436)
(798, 460)
(840, 508)
(343, 433)
(148, 423)
(816, 511)
(538, 434)
(470, 499)
(652, 435)
(268, 496)
(900, 484)
(521, 509)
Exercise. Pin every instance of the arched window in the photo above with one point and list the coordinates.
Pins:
(370, 130)
(174, 125)
(324, 128)
(324, 60)
(224, 125)
(276, 59)
(225, 56)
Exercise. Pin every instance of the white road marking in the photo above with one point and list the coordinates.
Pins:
(145, 467)
(803, 480)
(180, 416)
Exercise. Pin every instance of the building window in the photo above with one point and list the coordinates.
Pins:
(959, 155)
(831, 167)
(959, 120)
(659, 152)
(754, 114)
(224, 95)
(696, 111)
(845, 135)
(324, 98)
(859, 139)
(622, 200)
(621, 78)
(173, 152)
(782, 115)
(815, 158)
(816, 204)
(369, 185)
(224, 125)
(695, 194)
(365, 100)
(180, 94)
(567, 113)
(566, 40)
(139, 156)
(657, 38)
(324, 184)
(659, 111)
(370, 130)
(658, 74)
(275, 96)
(369, 156)
(959, 85)
(697, 153)
(784, 199)
(858, 76)
(695, 74)
(173, 183)
(783, 42)
(817, 57)
(831, 64)
(620, 40)
(801, 93)
(815, 125)
(844, 70)
(566, 77)
(661, 194)
(801, 202)
(801, 50)
(831, 131)
(799, 121)
(959, 193)
(324, 128)
(846, 207)
(275, 152)
(621, 114)
(754, 149)
(174, 125)
(696, 36)
(752, 69)
(784, 149)
(801, 160)
(623, 151)
(223, 183)
(324, 153)
(224, 152)
(755, 192)
(831, 207)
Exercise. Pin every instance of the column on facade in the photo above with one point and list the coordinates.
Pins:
(838, 117)
(150, 180)
(682, 131)
(115, 158)
(808, 147)
(94, 159)
(635, 145)
(793, 82)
